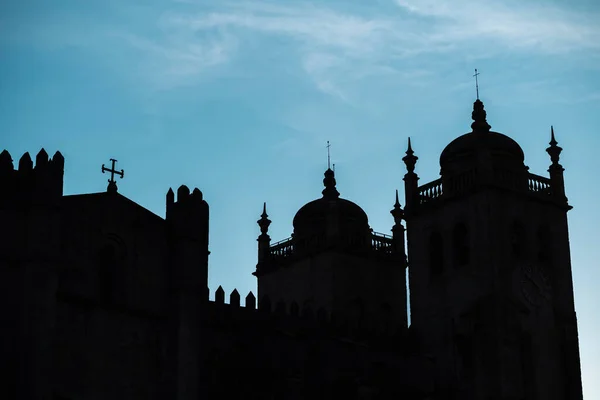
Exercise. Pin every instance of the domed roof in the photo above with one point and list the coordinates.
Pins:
(464, 148)
(315, 212)
(313, 215)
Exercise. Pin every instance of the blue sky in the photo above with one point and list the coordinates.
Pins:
(239, 98)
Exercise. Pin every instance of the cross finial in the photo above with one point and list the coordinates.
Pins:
(476, 83)
(328, 156)
(112, 185)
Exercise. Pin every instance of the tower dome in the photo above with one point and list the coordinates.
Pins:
(462, 152)
(330, 217)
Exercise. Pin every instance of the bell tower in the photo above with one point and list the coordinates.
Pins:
(489, 270)
(335, 265)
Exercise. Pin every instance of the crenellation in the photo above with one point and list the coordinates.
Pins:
(250, 301)
(27, 186)
(41, 159)
(183, 193)
(25, 163)
(220, 295)
(329, 324)
(6, 162)
(197, 195)
(234, 298)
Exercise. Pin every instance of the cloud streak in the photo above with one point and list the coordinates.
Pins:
(336, 46)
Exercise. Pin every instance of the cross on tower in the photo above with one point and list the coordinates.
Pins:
(476, 83)
(112, 185)
(328, 156)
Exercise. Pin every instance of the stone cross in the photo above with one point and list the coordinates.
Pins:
(112, 185)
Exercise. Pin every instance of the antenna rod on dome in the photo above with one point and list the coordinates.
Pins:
(328, 156)
(476, 83)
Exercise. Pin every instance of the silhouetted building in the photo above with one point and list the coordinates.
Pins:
(105, 300)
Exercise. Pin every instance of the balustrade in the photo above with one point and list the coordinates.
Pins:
(539, 184)
(283, 248)
(430, 191)
(381, 243)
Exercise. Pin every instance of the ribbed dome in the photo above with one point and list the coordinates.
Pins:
(463, 150)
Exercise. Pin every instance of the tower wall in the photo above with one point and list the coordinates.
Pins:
(29, 259)
(187, 231)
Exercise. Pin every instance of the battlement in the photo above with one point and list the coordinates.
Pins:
(28, 184)
(293, 316)
(188, 214)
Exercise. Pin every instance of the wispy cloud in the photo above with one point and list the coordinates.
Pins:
(543, 27)
(337, 47)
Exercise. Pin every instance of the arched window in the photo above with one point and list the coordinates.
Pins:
(544, 245)
(436, 254)
(110, 275)
(517, 241)
(460, 239)
(106, 267)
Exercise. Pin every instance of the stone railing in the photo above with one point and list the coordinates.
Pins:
(463, 182)
(460, 183)
(431, 191)
(282, 249)
(539, 185)
(381, 243)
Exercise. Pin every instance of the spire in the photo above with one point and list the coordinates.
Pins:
(479, 118)
(264, 221)
(410, 159)
(330, 192)
(397, 211)
(554, 150)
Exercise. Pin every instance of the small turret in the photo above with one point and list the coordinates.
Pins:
(398, 230)
(264, 240)
(411, 179)
(187, 229)
(187, 221)
(556, 170)
(30, 202)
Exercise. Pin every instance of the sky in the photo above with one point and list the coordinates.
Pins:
(239, 98)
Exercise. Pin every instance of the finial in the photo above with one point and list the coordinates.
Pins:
(112, 185)
(553, 141)
(479, 118)
(330, 192)
(264, 213)
(410, 159)
(328, 156)
(476, 83)
(554, 150)
(397, 211)
(264, 222)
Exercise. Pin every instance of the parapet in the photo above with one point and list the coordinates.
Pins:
(28, 185)
(188, 214)
(293, 318)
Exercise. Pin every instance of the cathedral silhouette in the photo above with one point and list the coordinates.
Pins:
(105, 300)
